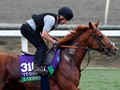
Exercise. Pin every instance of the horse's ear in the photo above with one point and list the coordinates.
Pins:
(96, 24)
(92, 26)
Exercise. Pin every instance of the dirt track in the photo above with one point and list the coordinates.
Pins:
(18, 11)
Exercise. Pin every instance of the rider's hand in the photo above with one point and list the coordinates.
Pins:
(55, 38)
(56, 45)
(72, 31)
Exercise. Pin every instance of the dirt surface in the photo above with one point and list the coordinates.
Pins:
(18, 11)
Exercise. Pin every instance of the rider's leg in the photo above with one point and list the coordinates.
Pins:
(39, 56)
(36, 39)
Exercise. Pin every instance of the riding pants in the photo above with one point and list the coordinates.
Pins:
(35, 38)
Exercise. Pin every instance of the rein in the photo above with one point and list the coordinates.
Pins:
(95, 37)
(73, 46)
(80, 47)
(102, 48)
(76, 47)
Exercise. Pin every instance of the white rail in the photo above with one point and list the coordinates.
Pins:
(13, 31)
(24, 43)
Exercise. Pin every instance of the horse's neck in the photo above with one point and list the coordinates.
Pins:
(77, 54)
(80, 52)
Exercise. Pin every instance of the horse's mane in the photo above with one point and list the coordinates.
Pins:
(78, 30)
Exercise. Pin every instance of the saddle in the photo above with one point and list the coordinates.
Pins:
(26, 53)
(49, 55)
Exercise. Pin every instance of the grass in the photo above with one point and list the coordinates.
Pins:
(100, 79)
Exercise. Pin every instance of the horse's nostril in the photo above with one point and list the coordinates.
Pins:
(115, 49)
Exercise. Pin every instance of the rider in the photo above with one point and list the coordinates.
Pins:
(37, 28)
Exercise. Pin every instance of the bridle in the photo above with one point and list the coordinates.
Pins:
(102, 49)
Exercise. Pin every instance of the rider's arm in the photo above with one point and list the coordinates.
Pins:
(49, 21)
(47, 37)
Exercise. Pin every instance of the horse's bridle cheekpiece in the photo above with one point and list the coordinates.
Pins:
(103, 48)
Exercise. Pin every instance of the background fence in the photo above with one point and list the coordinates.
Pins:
(13, 30)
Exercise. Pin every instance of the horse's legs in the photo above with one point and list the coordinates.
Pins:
(65, 84)
(2, 84)
(62, 85)
(54, 85)
(14, 86)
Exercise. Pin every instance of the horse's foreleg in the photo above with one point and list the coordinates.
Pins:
(65, 84)
(2, 84)
(53, 84)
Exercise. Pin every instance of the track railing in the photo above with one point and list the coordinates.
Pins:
(13, 30)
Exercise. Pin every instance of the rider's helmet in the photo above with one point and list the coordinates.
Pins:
(66, 12)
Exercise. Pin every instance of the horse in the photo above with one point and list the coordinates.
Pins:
(74, 46)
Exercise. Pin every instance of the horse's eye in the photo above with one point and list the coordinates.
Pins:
(101, 37)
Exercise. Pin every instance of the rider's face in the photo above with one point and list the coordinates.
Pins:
(63, 20)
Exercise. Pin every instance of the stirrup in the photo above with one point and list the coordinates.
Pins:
(40, 71)
(43, 73)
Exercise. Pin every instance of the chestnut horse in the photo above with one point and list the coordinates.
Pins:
(73, 49)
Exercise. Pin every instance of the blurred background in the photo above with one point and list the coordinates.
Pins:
(18, 11)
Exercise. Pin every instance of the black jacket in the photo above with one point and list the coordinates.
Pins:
(39, 20)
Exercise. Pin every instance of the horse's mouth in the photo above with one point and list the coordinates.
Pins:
(112, 52)
(109, 52)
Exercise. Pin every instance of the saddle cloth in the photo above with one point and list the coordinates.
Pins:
(27, 65)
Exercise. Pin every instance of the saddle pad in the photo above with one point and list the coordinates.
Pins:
(27, 65)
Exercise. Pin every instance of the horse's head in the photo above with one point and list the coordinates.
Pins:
(98, 41)
(90, 36)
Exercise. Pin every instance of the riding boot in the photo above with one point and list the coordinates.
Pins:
(40, 69)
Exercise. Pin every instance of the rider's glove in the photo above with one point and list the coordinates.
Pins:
(56, 45)
(55, 38)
